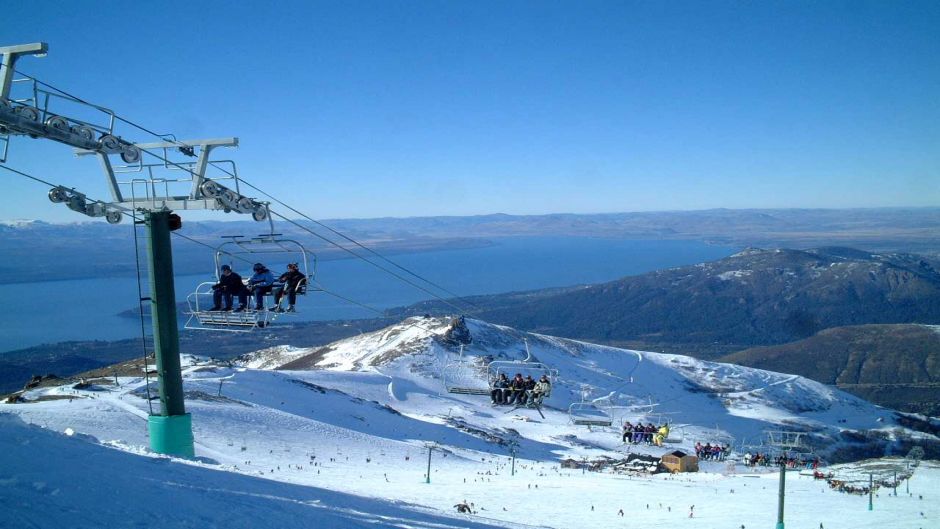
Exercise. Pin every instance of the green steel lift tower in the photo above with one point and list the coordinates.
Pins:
(150, 191)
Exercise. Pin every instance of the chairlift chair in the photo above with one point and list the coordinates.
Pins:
(676, 434)
(463, 377)
(787, 440)
(525, 367)
(238, 250)
(588, 414)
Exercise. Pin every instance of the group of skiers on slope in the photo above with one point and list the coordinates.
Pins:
(261, 283)
(649, 434)
(519, 391)
(713, 452)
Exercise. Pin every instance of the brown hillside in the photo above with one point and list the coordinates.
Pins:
(893, 365)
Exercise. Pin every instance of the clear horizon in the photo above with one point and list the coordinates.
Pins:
(240, 218)
(396, 109)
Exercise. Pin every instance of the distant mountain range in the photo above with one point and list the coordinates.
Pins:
(34, 250)
(755, 297)
(836, 315)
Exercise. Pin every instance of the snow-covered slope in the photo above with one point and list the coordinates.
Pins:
(705, 400)
(340, 439)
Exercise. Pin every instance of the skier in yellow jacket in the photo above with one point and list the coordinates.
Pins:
(661, 435)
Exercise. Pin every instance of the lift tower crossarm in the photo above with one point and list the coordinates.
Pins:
(9, 54)
(198, 172)
(212, 142)
(203, 193)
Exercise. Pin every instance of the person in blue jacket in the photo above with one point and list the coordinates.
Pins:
(260, 284)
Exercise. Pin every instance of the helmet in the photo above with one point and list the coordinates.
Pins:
(258, 267)
(226, 267)
(292, 265)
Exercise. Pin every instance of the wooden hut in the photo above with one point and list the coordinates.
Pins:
(679, 461)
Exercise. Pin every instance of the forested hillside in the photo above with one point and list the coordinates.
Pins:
(893, 365)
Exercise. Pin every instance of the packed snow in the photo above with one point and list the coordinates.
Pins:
(343, 441)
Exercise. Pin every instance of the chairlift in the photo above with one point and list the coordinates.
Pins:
(638, 411)
(270, 249)
(787, 440)
(464, 377)
(589, 413)
(676, 431)
(526, 367)
(716, 436)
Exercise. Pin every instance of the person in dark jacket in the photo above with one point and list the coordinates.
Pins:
(648, 432)
(500, 385)
(292, 279)
(528, 387)
(229, 285)
(627, 432)
(517, 389)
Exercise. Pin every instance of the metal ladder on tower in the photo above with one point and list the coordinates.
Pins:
(145, 305)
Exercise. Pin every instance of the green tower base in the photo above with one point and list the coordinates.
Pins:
(172, 435)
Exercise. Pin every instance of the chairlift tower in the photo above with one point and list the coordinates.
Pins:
(34, 109)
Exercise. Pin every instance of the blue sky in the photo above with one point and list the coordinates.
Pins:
(368, 109)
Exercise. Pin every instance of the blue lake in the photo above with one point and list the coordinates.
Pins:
(87, 309)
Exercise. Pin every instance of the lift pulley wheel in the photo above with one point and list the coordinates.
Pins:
(83, 132)
(110, 143)
(210, 189)
(245, 204)
(57, 123)
(28, 113)
(58, 195)
(130, 154)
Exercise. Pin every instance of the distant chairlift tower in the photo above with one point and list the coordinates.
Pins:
(40, 113)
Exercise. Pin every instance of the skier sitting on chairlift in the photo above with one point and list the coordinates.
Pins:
(517, 390)
(292, 280)
(543, 388)
(628, 432)
(260, 284)
(500, 390)
(528, 387)
(229, 285)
